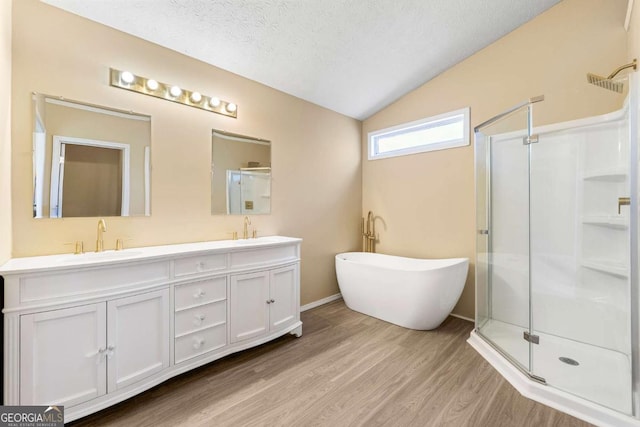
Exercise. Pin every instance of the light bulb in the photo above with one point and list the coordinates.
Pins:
(175, 91)
(152, 84)
(214, 102)
(196, 97)
(231, 107)
(127, 77)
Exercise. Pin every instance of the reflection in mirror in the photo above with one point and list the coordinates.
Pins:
(241, 174)
(89, 160)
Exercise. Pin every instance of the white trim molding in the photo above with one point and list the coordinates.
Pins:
(461, 317)
(414, 136)
(57, 170)
(627, 19)
(320, 302)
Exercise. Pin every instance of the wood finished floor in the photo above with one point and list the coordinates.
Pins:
(347, 369)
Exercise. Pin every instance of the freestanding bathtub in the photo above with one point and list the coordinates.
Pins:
(414, 293)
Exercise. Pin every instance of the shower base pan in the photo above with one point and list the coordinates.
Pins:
(601, 375)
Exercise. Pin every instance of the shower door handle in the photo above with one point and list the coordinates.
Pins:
(626, 201)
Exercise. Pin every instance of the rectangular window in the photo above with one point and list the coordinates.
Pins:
(447, 130)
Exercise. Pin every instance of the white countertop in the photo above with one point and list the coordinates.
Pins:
(65, 261)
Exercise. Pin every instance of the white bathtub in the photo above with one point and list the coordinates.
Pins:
(414, 293)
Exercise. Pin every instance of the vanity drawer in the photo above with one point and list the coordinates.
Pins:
(199, 264)
(200, 292)
(200, 317)
(263, 256)
(200, 342)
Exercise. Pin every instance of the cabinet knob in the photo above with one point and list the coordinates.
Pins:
(100, 355)
(199, 318)
(268, 301)
(110, 351)
(272, 300)
(198, 342)
(199, 294)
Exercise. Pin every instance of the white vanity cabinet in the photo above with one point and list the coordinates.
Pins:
(137, 338)
(62, 355)
(284, 309)
(88, 331)
(200, 317)
(263, 302)
(249, 315)
(76, 354)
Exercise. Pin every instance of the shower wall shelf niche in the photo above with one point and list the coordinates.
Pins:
(606, 221)
(612, 267)
(614, 174)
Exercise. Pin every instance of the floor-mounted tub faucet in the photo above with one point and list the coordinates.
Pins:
(369, 237)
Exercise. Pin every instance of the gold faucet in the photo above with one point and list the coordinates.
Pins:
(102, 227)
(245, 229)
(369, 237)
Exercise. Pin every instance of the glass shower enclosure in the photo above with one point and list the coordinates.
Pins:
(556, 268)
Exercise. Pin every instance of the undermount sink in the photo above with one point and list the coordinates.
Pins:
(100, 256)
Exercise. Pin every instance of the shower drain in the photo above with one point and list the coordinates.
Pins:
(569, 361)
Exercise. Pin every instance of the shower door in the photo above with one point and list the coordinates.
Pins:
(580, 252)
(556, 268)
(503, 311)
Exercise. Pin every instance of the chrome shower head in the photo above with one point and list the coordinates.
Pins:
(607, 82)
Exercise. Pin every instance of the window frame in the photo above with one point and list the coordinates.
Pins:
(372, 137)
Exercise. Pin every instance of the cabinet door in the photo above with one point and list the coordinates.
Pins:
(61, 356)
(249, 302)
(283, 289)
(137, 337)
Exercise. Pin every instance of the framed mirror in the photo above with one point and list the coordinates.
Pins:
(89, 160)
(240, 174)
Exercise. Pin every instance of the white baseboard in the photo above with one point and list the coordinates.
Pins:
(462, 317)
(321, 302)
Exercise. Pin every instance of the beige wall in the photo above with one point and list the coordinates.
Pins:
(313, 148)
(5, 131)
(426, 202)
(633, 39)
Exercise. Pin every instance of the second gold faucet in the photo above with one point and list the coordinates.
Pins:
(245, 229)
(102, 227)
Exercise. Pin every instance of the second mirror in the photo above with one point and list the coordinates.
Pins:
(241, 174)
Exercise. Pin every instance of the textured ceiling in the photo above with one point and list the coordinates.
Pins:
(351, 56)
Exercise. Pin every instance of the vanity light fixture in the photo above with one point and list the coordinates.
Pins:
(195, 97)
(127, 77)
(175, 91)
(129, 81)
(152, 84)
